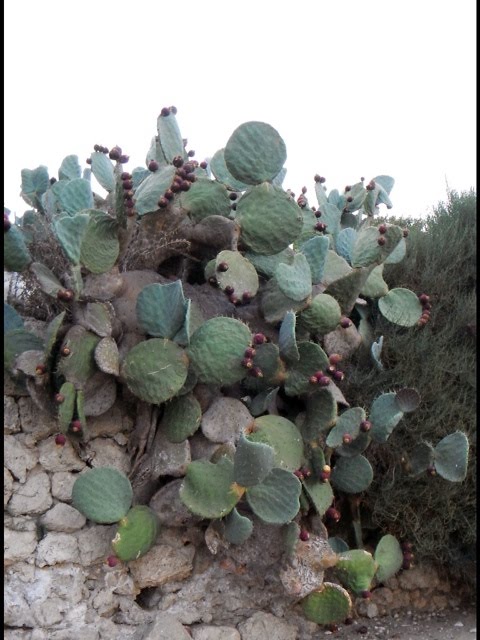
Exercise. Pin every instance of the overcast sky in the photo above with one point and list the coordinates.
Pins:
(354, 88)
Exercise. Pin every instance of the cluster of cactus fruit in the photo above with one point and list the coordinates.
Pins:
(295, 290)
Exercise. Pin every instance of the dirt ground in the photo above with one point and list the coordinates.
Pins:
(454, 624)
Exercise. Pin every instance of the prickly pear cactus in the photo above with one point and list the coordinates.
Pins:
(193, 281)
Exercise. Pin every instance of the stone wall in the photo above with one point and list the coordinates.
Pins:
(59, 586)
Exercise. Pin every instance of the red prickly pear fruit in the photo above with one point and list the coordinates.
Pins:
(422, 322)
(370, 186)
(405, 233)
(203, 165)
(153, 165)
(169, 195)
(112, 561)
(324, 381)
(313, 380)
(76, 426)
(348, 188)
(349, 199)
(185, 185)
(177, 162)
(365, 426)
(426, 307)
(130, 205)
(115, 153)
(347, 438)
(318, 178)
(423, 297)
(408, 556)
(162, 203)
(229, 289)
(249, 352)
(60, 439)
(406, 564)
(97, 147)
(247, 297)
(431, 471)
(235, 300)
(165, 112)
(256, 372)
(334, 358)
(40, 369)
(189, 167)
(345, 322)
(338, 376)
(320, 226)
(332, 514)
(172, 109)
(213, 281)
(306, 472)
(382, 229)
(299, 474)
(88, 161)
(191, 153)
(59, 398)
(324, 476)
(126, 176)
(247, 363)
(381, 241)
(259, 338)
(66, 295)
(127, 184)
(222, 267)
(318, 374)
(366, 594)
(304, 535)
(318, 214)
(406, 546)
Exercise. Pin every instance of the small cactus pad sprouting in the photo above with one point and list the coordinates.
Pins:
(136, 534)
(327, 605)
(103, 495)
(283, 436)
(451, 457)
(356, 569)
(385, 414)
(155, 370)
(255, 152)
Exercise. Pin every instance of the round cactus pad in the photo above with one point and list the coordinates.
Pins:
(208, 489)
(181, 417)
(103, 495)
(222, 174)
(217, 349)
(322, 316)
(276, 499)
(155, 370)
(255, 152)
(329, 604)
(240, 275)
(356, 569)
(283, 436)
(389, 558)
(401, 306)
(269, 218)
(320, 493)
(206, 198)
(451, 457)
(348, 423)
(352, 475)
(136, 533)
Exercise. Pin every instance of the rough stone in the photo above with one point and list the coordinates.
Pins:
(170, 509)
(17, 458)
(62, 485)
(94, 543)
(201, 447)
(165, 627)
(18, 545)
(63, 517)
(418, 578)
(55, 548)
(162, 564)
(225, 420)
(33, 497)
(120, 582)
(56, 458)
(34, 421)
(168, 458)
(7, 486)
(11, 417)
(109, 424)
(207, 632)
(105, 452)
(265, 626)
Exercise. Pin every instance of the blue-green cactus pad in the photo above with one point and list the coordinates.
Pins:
(286, 338)
(388, 557)
(312, 358)
(450, 457)
(205, 198)
(161, 309)
(103, 495)
(277, 499)
(283, 436)
(152, 189)
(385, 414)
(252, 462)
(347, 423)
(401, 306)
(352, 475)
(320, 493)
(102, 169)
(223, 175)
(238, 528)
(208, 489)
(181, 417)
(295, 280)
(315, 250)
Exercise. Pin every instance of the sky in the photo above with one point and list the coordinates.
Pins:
(354, 88)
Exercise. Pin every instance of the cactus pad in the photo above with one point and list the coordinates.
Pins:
(389, 558)
(181, 417)
(208, 489)
(276, 499)
(312, 358)
(70, 231)
(384, 416)
(295, 280)
(451, 457)
(238, 528)
(107, 357)
(205, 198)
(356, 569)
(240, 275)
(222, 174)
(152, 189)
(16, 256)
(348, 423)
(161, 309)
(286, 338)
(322, 316)
(283, 436)
(327, 605)
(103, 495)
(352, 475)
(48, 282)
(320, 415)
(76, 195)
(136, 534)
(252, 462)
(67, 407)
(315, 250)
(320, 493)
(401, 306)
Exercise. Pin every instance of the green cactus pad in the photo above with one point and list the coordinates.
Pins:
(102, 169)
(16, 256)
(107, 356)
(384, 184)
(136, 534)
(401, 306)
(47, 281)
(100, 245)
(170, 137)
(283, 436)
(388, 557)
(269, 218)
(155, 370)
(375, 286)
(205, 198)
(335, 267)
(70, 231)
(11, 319)
(240, 275)
(277, 499)
(275, 304)
(193, 320)
(312, 358)
(308, 228)
(255, 153)
(181, 417)
(331, 216)
(398, 254)
(103, 495)
(384, 416)
(367, 251)
(407, 399)
(344, 243)
(262, 401)
(420, 458)
(267, 265)
(286, 338)
(358, 193)
(291, 533)
(356, 569)
(222, 174)
(320, 415)
(347, 288)
(347, 423)
(155, 152)
(352, 475)
(238, 528)
(450, 457)
(327, 605)
(70, 168)
(295, 280)
(152, 189)
(208, 489)
(320, 493)
(315, 250)
(51, 335)
(18, 341)
(322, 316)
(252, 462)
(161, 309)
(79, 365)
(216, 350)
(76, 196)
(35, 182)
(67, 408)
(338, 544)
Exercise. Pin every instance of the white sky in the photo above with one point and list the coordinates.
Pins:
(355, 88)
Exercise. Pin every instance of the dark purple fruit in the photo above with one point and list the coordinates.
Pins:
(60, 439)
(163, 202)
(153, 165)
(112, 561)
(320, 226)
(66, 295)
(370, 186)
(259, 338)
(169, 195)
(76, 426)
(381, 241)
(299, 474)
(332, 514)
(338, 376)
(249, 352)
(124, 159)
(382, 229)
(40, 369)
(233, 196)
(229, 290)
(405, 233)
(304, 535)
(366, 594)
(115, 153)
(177, 161)
(247, 297)
(247, 363)
(324, 476)
(203, 165)
(318, 178)
(347, 438)
(345, 322)
(256, 372)
(126, 176)
(348, 188)
(222, 267)
(88, 161)
(235, 300)
(127, 184)
(165, 112)
(365, 426)
(173, 110)
(191, 153)
(406, 564)
(59, 398)
(324, 381)
(334, 358)
(424, 298)
(213, 281)
(349, 199)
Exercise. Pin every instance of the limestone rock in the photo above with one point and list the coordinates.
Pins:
(55, 548)
(18, 458)
(94, 543)
(56, 458)
(170, 509)
(11, 417)
(265, 626)
(225, 420)
(18, 545)
(62, 517)
(62, 485)
(207, 632)
(33, 497)
(109, 424)
(162, 564)
(34, 421)
(105, 452)
(7, 486)
(165, 627)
